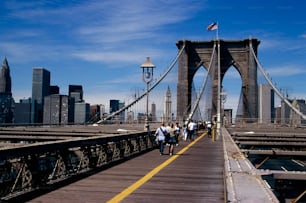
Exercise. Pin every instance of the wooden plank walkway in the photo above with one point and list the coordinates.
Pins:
(193, 174)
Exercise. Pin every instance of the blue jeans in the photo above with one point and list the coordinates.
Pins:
(192, 134)
(161, 146)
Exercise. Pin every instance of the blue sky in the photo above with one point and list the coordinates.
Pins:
(101, 44)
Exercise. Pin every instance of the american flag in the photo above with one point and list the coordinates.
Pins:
(213, 26)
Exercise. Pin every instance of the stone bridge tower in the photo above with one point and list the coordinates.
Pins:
(232, 53)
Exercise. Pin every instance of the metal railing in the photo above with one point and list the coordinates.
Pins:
(34, 166)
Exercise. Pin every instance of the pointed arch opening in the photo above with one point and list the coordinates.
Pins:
(231, 95)
(202, 112)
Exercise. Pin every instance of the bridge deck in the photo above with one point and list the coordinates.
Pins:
(193, 174)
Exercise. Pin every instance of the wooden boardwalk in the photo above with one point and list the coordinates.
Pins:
(193, 174)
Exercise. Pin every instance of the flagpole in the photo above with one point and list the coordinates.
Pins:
(219, 89)
(217, 31)
(215, 26)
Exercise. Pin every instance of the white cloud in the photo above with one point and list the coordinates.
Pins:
(270, 43)
(95, 30)
(288, 70)
(278, 43)
(109, 57)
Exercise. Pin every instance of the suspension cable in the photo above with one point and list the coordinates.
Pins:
(151, 88)
(274, 88)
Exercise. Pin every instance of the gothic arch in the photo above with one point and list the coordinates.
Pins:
(232, 53)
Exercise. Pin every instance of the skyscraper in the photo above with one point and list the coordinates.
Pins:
(81, 113)
(113, 105)
(167, 115)
(122, 114)
(5, 78)
(40, 84)
(76, 92)
(22, 113)
(40, 89)
(266, 103)
(95, 111)
(56, 109)
(153, 112)
(54, 89)
(6, 99)
(79, 109)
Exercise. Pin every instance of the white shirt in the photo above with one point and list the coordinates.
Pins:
(160, 133)
(191, 126)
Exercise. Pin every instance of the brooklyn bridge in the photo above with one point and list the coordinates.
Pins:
(252, 157)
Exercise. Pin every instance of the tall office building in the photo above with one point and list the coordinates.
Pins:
(296, 119)
(266, 104)
(5, 78)
(95, 111)
(102, 111)
(79, 110)
(54, 89)
(167, 115)
(40, 89)
(76, 92)
(285, 112)
(56, 109)
(153, 112)
(6, 99)
(122, 114)
(81, 113)
(22, 114)
(277, 117)
(113, 105)
(40, 84)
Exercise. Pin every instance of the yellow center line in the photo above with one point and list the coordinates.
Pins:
(126, 192)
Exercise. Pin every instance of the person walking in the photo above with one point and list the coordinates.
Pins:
(167, 135)
(192, 129)
(209, 126)
(185, 133)
(177, 132)
(172, 139)
(160, 137)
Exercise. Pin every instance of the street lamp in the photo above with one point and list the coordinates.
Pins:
(147, 77)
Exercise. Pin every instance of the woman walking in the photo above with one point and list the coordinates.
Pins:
(172, 139)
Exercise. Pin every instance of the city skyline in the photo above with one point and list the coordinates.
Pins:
(101, 45)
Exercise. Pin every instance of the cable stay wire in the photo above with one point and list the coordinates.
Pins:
(149, 90)
(196, 103)
(275, 89)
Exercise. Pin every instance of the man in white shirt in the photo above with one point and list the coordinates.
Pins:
(160, 136)
(192, 128)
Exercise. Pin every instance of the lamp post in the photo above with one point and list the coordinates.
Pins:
(147, 77)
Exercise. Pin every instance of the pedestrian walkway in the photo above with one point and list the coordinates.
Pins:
(193, 174)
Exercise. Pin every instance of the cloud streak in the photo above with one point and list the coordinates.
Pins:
(105, 31)
(285, 71)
